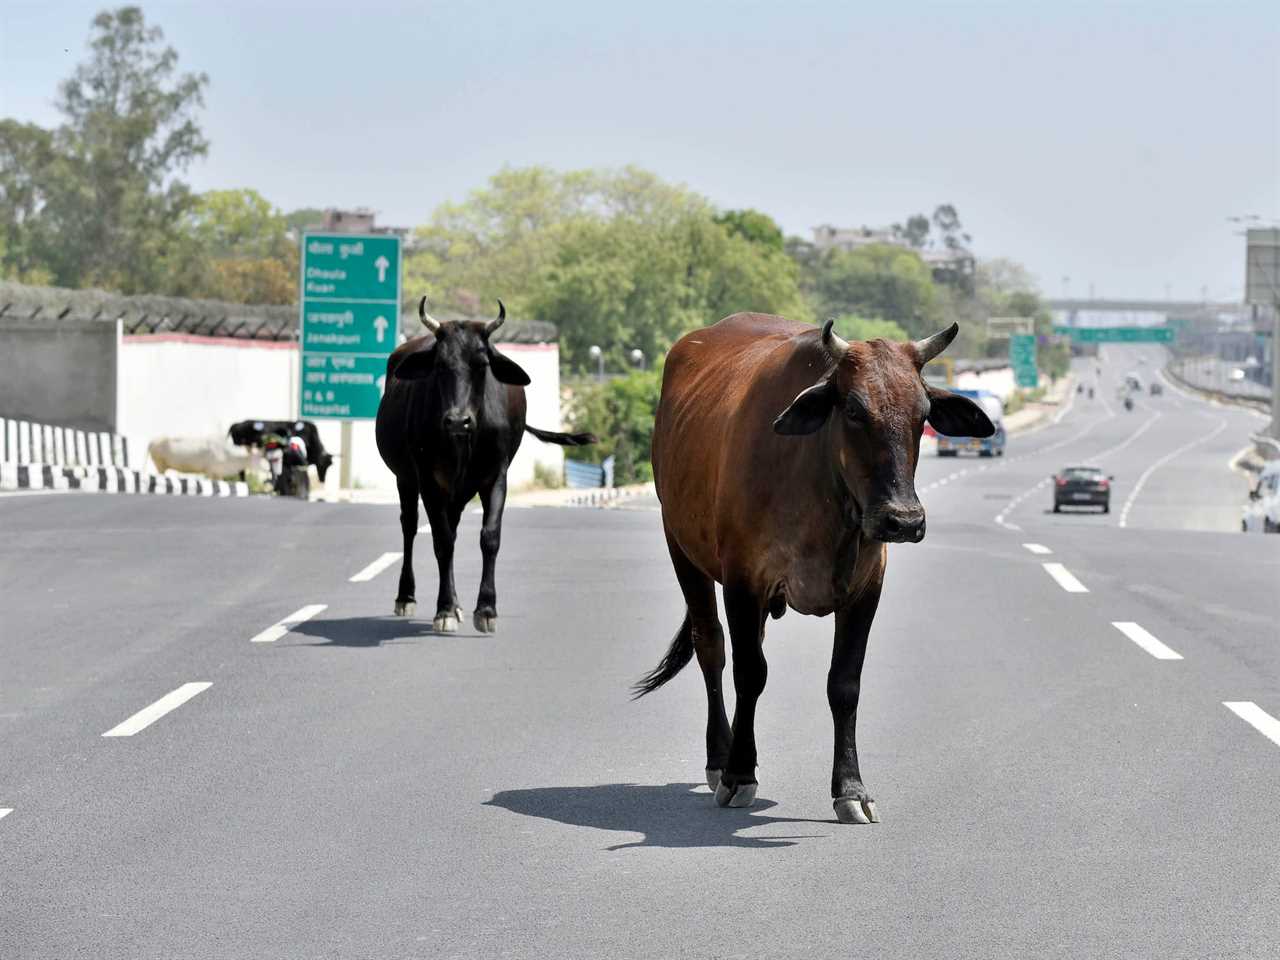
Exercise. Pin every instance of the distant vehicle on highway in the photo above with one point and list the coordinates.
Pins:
(1156, 388)
(1082, 487)
(1132, 381)
(1262, 512)
(1237, 374)
(992, 446)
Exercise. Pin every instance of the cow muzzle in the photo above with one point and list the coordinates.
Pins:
(896, 524)
(459, 424)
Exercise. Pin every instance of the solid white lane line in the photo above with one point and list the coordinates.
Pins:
(375, 568)
(1146, 474)
(1145, 640)
(278, 630)
(1256, 717)
(149, 715)
(1037, 548)
(5, 811)
(1064, 577)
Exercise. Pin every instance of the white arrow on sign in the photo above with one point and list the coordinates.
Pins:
(380, 325)
(382, 263)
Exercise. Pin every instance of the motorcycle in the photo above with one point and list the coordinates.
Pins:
(287, 459)
(1091, 393)
(1128, 403)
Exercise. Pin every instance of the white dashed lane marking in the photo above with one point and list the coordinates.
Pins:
(1145, 640)
(149, 715)
(1037, 548)
(1065, 578)
(278, 630)
(1256, 717)
(375, 568)
(5, 811)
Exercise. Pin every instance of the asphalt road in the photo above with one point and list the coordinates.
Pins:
(359, 787)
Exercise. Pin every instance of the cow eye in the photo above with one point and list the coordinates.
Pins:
(854, 410)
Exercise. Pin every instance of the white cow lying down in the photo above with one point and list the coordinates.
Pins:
(213, 456)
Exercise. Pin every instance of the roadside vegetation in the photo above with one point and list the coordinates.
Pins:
(617, 259)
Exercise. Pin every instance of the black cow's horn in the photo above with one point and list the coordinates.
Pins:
(493, 325)
(428, 321)
(835, 343)
(930, 347)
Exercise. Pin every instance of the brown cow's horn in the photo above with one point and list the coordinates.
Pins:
(428, 321)
(835, 343)
(493, 325)
(930, 347)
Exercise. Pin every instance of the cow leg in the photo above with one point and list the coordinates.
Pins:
(703, 619)
(745, 613)
(444, 531)
(853, 623)
(406, 604)
(494, 500)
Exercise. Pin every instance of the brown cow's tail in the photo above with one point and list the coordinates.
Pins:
(677, 658)
(564, 439)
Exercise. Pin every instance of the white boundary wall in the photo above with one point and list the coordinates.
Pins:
(191, 386)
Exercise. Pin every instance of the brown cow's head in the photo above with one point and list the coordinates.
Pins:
(873, 404)
(458, 363)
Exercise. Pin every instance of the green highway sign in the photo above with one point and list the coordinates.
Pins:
(1118, 334)
(1022, 356)
(350, 322)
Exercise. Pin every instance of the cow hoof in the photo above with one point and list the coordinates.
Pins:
(713, 779)
(486, 622)
(406, 608)
(445, 623)
(743, 795)
(855, 810)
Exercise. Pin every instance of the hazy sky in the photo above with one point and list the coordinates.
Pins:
(1107, 143)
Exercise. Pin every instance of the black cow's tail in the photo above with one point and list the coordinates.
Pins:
(677, 658)
(564, 439)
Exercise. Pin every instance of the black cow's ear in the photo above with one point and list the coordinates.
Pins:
(956, 416)
(808, 411)
(417, 366)
(506, 370)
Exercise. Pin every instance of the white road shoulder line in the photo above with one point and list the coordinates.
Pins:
(149, 715)
(5, 811)
(1145, 640)
(375, 568)
(1064, 577)
(1256, 717)
(1146, 474)
(278, 630)
(1037, 548)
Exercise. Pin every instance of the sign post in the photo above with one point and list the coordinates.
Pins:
(349, 324)
(1022, 356)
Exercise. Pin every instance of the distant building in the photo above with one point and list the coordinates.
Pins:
(947, 264)
(359, 220)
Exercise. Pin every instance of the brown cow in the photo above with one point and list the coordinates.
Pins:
(785, 460)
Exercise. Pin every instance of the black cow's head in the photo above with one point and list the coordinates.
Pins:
(323, 462)
(459, 363)
(877, 403)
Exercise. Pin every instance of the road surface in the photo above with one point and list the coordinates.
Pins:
(1043, 724)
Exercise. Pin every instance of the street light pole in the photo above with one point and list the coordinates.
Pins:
(598, 356)
(637, 357)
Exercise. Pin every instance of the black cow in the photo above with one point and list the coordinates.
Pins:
(449, 425)
(249, 433)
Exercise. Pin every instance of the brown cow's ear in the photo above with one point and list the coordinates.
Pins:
(417, 366)
(808, 411)
(955, 416)
(506, 370)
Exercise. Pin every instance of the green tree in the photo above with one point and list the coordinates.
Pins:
(112, 204)
(853, 327)
(620, 412)
(754, 226)
(26, 154)
(878, 280)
